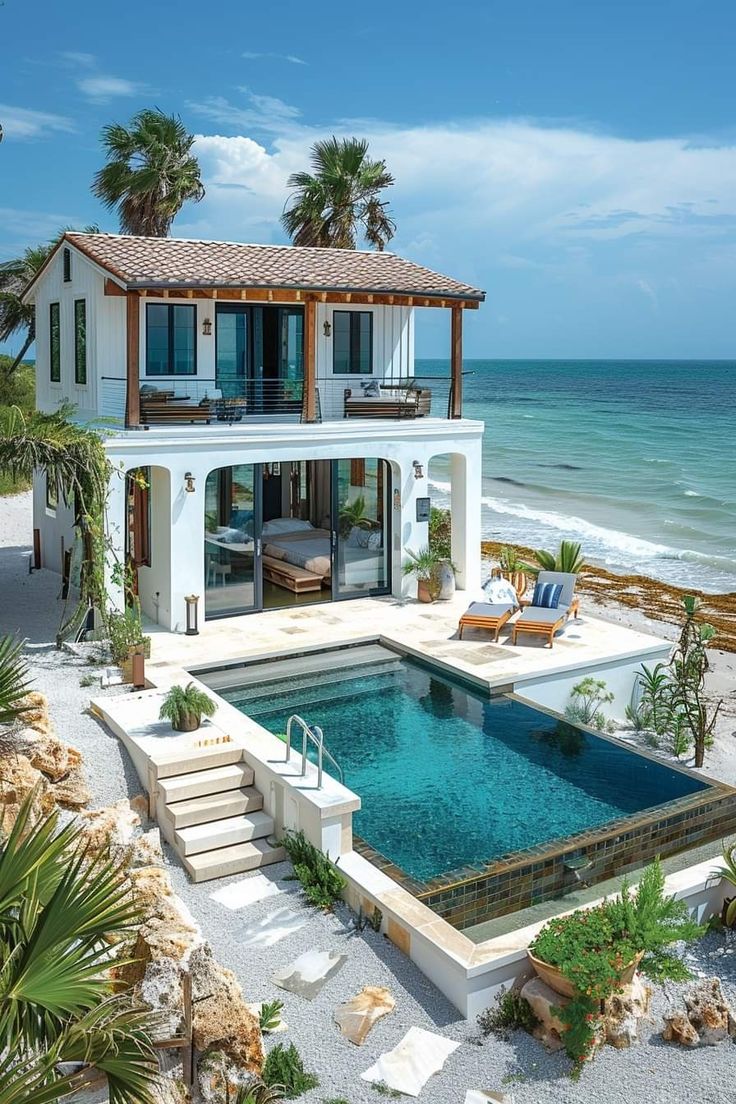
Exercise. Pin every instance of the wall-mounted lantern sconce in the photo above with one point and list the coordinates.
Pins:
(418, 469)
(207, 327)
(192, 601)
(189, 483)
(327, 329)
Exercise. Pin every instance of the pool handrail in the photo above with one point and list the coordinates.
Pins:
(315, 734)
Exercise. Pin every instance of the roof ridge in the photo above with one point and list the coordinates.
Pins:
(221, 241)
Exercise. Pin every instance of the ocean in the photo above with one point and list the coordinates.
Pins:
(636, 459)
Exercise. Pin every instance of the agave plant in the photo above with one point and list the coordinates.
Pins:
(728, 873)
(258, 1092)
(567, 558)
(14, 680)
(63, 913)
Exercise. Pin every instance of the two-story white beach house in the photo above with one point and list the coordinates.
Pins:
(269, 435)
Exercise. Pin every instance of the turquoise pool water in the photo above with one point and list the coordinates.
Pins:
(447, 777)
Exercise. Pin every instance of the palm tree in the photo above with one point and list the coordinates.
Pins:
(64, 916)
(340, 197)
(15, 315)
(14, 679)
(15, 275)
(150, 172)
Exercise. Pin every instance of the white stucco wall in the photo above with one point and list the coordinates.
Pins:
(56, 526)
(201, 449)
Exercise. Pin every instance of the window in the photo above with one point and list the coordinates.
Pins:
(52, 494)
(80, 341)
(352, 342)
(54, 343)
(171, 340)
(67, 261)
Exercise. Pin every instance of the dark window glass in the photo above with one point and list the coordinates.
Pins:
(170, 340)
(52, 493)
(54, 343)
(80, 341)
(67, 266)
(352, 342)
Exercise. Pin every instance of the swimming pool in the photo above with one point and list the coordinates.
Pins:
(450, 779)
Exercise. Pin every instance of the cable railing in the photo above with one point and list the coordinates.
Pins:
(311, 734)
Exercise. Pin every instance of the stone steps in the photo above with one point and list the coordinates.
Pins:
(223, 833)
(189, 759)
(232, 860)
(184, 787)
(214, 807)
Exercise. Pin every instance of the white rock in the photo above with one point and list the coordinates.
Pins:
(245, 892)
(409, 1066)
(357, 1016)
(270, 929)
(307, 975)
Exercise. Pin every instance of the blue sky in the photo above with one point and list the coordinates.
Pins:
(576, 159)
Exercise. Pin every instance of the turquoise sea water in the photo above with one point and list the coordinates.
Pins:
(447, 777)
(637, 459)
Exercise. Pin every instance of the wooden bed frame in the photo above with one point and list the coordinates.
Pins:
(296, 579)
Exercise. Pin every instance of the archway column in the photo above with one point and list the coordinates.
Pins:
(187, 539)
(115, 523)
(465, 494)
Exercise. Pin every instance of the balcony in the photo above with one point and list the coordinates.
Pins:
(200, 402)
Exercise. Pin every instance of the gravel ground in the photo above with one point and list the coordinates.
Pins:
(652, 1073)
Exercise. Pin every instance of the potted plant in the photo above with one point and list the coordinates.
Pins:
(423, 566)
(184, 707)
(353, 516)
(590, 954)
(512, 569)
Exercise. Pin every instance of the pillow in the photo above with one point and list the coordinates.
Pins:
(230, 536)
(284, 525)
(371, 389)
(496, 591)
(547, 595)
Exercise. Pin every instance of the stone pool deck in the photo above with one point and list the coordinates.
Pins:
(585, 646)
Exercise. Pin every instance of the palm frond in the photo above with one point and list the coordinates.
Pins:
(15, 681)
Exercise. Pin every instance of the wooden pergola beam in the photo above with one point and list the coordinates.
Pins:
(132, 382)
(295, 295)
(456, 363)
(309, 403)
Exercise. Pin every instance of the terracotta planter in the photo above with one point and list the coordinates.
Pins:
(556, 980)
(423, 591)
(188, 722)
(518, 581)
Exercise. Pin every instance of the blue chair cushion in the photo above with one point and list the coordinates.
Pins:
(547, 595)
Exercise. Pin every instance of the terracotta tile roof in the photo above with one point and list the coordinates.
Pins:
(177, 262)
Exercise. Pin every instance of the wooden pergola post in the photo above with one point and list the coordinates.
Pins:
(456, 363)
(133, 387)
(309, 402)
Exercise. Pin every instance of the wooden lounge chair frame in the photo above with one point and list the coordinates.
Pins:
(545, 628)
(476, 621)
(159, 408)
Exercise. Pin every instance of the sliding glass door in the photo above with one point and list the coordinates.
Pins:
(361, 538)
(259, 357)
(232, 541)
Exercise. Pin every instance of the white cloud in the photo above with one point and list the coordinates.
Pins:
(73, 57)
(267, 114)
(22, 123)
(572, 228)
(255, 56)
(103, 88)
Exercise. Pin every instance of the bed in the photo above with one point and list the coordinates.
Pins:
(310, 548)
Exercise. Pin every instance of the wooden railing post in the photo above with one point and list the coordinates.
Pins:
(456, 364)
(133, 387)
(309, 402)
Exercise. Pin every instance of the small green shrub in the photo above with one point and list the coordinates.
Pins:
(510, 1012)
(586, 699)
(385, 1090)
(284, 1067)
(257, 1092)
(88, 680)
(440, 532)
(125, 631)
(319, 878)
(270, 1015)
(184, 707)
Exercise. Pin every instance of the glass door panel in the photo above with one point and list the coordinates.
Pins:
(361, 496)
(231, 544)
(291, 357)
(231, 337)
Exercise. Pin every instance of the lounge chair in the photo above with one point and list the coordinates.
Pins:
(541, 620)
(485, 615)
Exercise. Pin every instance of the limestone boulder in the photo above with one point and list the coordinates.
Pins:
(18, 779)
(219, 1078)
(624, 1012)
(678, 1029)
(544, 1003)
(53, 757)
(169, 1089)
(145, 849)
(707, 1019)
(112, 826)
(160, 989)
(35, 713)
(357, 1016)
(221, 1017)
(72, 791)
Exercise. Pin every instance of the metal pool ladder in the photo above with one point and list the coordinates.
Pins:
(314, 735)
